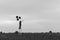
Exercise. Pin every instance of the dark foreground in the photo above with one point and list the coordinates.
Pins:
(30, 36)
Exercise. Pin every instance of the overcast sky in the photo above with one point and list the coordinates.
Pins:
(37, 15)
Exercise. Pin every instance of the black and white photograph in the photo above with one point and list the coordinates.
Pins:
(29, 19)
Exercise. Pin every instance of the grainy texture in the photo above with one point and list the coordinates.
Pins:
(30, 36)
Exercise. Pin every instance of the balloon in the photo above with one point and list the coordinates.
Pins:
(16, 16)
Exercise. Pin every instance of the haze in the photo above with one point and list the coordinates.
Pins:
(37, 15)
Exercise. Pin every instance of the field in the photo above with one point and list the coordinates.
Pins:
(29, 36)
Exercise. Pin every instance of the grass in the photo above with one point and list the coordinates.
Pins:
(29, 36)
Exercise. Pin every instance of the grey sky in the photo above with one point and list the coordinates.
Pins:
(38, 15)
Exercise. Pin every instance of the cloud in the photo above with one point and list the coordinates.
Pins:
(7, 22)
(34, 12)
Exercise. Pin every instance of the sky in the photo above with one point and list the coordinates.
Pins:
(37, 15)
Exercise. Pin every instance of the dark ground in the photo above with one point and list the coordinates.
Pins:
(30, 36)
